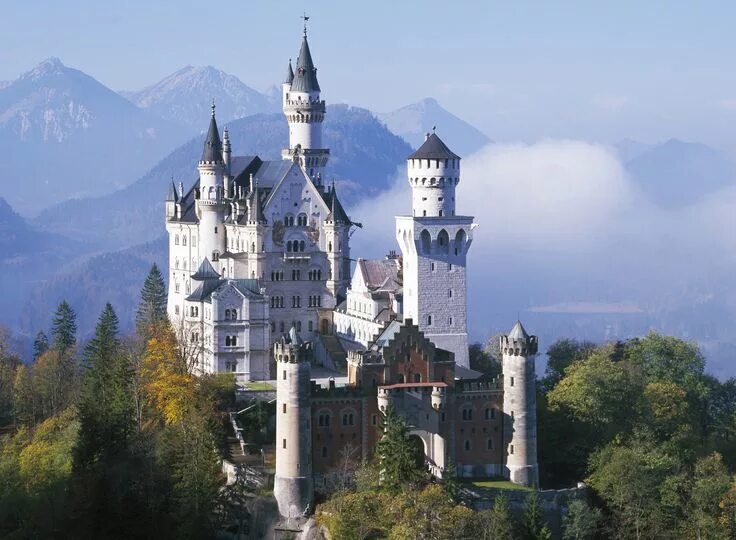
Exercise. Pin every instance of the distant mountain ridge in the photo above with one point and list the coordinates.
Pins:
(64, 134)
(414, 121)
(364, 159)
(676, 173)
(184, 97)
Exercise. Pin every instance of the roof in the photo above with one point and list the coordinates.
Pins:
(380, 273)
(256, 208)
(204, 290)
(289, 74)
(518, 332)
(247, 286)
(305, 77)
(205, 271)
(397, 386)
(172, 192)
(270, 173)
(434, 148)
(388, 333)
(337, 212)
(212, 150)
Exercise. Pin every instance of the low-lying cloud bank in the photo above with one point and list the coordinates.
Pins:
(561, 223)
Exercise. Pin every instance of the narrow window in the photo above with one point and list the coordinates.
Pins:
(284, 375)
(467, 444)
(283, 443)
(511, 449)
(490, 444)
(511, 383)
(284, 407)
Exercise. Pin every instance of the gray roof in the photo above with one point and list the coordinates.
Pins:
(518, 332)
(270, 173)
(337, 212)
(204, 290)
(256, 207)
(247, 286)
(434, 148)
(205, 271)
(172, 192)
(212, 150)
(388, 334)
(289, 74)
(305, 78)
(380, 273)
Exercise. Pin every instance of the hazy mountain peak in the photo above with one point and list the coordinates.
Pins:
(50, 66)
(413, 121)
(185, 96)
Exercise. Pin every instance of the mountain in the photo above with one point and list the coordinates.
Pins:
(364, 157)
(414, 121)
(27, 256)
(676, 173)
(184, 97)
(89, 283)
(66, 135)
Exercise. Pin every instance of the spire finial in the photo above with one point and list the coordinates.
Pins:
(434, 128)
(213, 107)
(306, 18)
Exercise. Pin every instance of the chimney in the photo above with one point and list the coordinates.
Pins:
(426, 136)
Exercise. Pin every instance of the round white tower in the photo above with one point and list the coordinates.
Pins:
(211, 202)
(305, 112)
(293, 486)
(520, 406)
(433, 171)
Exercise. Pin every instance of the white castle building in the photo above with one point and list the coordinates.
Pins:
(256, 247)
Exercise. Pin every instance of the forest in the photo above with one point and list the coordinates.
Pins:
(116, 438)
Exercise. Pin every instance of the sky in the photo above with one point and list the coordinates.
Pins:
(521, 71)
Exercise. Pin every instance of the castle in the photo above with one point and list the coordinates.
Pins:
(260, 285)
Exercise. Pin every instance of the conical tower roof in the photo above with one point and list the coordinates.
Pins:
(305, 78)
(518, 332)
(212, 151)
(294, 337)
(289, 74)
(337, 212)
(434, 148)
(172, 193)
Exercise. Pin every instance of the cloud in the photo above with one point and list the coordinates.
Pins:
(561, 223)
(727, 104)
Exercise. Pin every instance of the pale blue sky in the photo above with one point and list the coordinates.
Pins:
(519, 70)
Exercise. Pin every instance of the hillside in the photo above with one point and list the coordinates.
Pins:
(66, 135)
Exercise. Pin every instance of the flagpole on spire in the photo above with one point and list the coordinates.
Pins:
(306, 18)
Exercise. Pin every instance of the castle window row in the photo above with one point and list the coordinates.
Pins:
(448, 162)
(315, 275)
(231, 314)
(277, 275)
(295, 246)
(443, 242)
(277, 301)
(315, 301)
(231, 341)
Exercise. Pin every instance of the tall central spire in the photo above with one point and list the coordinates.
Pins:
(305, 77)
(212, 151)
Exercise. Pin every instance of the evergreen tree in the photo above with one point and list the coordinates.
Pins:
(152, 307)
(40, 345)
(397, 454)
(496, 523)
(450, 482)
(582, 521)
(106, 411)
(534, 527)
(64, 327)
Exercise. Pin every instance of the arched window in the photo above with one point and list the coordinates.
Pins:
(234, 314)
(467, 444)
(460, 239)
(401, 378)
(288, 246)
(227, 314)
(183, 240)
(301, 245)
(176, 239)
(426, 240)
(443, 241)
(302, 220)
(467, 413)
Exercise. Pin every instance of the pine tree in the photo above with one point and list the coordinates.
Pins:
(534, 526)
(450, 483)
(397, 454)
(40, 345)
(64, 328)
(152, 307)
(106, 411)
(496, 523)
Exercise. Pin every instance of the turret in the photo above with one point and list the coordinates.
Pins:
(337, 235)
(293, 485)
(255, 227)
(226, 154)
(211, 202)
(520, 406)
(171, 200)
(433, 171)
(305, 112)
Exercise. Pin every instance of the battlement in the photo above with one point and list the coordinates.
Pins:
(292, 353)
(522, 346)
(311, 104)
(333, 391)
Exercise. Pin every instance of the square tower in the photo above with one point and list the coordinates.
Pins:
(434, 242)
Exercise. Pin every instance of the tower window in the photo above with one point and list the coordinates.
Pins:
(215, 229)
(490, 444)
(429, 320)
(511, 449)
(467, 444)
(283, 407)
(440, 213)
(284, 375)
(283, 443)
(511, 381)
